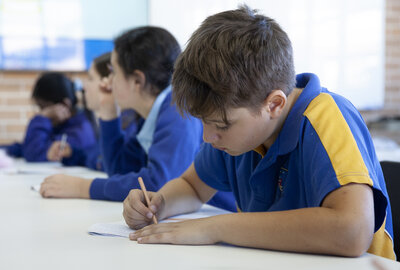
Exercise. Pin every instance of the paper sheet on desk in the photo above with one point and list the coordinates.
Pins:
(120, 229)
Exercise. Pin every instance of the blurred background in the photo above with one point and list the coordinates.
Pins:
(352, 45)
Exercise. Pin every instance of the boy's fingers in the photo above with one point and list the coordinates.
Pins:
(133, 205)
(156, 203)
(162, 238)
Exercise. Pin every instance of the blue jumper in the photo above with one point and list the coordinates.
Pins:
(41, 134)
(163, 149)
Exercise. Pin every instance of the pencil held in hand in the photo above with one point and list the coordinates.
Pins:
(62, 145)
(143, 187)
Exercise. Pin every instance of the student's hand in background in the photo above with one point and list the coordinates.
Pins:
(108, 106)
(65, 186)
(54, 154)
(57, 113)
(136, 213)
(190, 232)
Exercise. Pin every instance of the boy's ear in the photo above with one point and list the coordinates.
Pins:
(275, 103)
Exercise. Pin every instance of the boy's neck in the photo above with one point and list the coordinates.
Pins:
(291, 100)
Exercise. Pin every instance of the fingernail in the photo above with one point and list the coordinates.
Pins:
(153, 208)
(149, 215)
(139, 240)
(132, 236)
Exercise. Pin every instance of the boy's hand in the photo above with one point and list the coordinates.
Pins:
(136, 213)
(190, 232)
(54, 154)
(65, 186)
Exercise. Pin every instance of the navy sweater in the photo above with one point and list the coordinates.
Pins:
(92, 157)
(176, 141)
(41, 134)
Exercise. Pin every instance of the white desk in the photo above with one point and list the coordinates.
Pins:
(38, 233)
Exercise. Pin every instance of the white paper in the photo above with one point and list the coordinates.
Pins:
(120, 229)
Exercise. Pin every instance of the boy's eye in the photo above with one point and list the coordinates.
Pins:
(223, 127)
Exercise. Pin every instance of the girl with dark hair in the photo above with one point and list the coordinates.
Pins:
(54, 94)
(91, 157)
(142, 64)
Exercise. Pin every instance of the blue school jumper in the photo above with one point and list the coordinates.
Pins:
(91, 157)
(167, 141)
(121, 151)
(324, 144)
(41, 134)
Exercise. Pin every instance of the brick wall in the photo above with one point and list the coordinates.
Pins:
(16, 107)
(392, 64)
(15, 87)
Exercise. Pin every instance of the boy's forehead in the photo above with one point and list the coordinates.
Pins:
(231, 114)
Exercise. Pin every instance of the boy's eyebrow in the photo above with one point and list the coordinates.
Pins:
(218, 121)
(213, 121)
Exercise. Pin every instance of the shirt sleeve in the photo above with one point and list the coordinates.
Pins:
(120, 155)
(39, 136)
(211, 168)
(337, 150)
(176, 141)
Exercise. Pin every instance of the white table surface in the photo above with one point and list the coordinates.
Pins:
(37, 233)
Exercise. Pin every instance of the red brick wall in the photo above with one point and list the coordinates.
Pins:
(392, 64)
(15, 104)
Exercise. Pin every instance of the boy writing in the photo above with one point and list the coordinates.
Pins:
(298, 158)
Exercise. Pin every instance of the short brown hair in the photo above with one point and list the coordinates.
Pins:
(235, 59)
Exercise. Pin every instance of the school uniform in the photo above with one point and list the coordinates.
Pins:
(167, 144)
(324, 144)
(41, 134)
(92, 157)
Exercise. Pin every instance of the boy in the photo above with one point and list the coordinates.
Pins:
(166, 143)
(312, 184)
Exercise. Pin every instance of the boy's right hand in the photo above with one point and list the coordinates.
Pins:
(136, 214)
(54, 154)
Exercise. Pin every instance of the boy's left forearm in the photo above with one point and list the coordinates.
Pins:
(310, 230)
(341, 226)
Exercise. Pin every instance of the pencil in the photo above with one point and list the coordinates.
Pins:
(143, 187)
(62, 144)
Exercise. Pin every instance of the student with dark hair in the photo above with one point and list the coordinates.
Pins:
(142, 65)
(298, 158)
(92, 157)
(54, 93)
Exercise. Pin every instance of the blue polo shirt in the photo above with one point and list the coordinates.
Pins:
(324, 144)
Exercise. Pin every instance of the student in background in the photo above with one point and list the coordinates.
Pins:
(142, 65)
(94, 95)
(298, 158)
(54, 94)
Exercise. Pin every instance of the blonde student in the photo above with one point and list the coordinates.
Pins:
(166, 143)
(298, 158)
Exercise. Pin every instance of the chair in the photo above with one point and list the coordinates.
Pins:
(391, 172)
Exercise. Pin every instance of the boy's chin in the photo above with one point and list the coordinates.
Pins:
(233, 153)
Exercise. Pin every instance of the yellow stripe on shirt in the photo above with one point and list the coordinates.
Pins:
(338, 141)
(382, 244)
(348, 164)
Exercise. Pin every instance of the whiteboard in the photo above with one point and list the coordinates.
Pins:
(62, 34)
